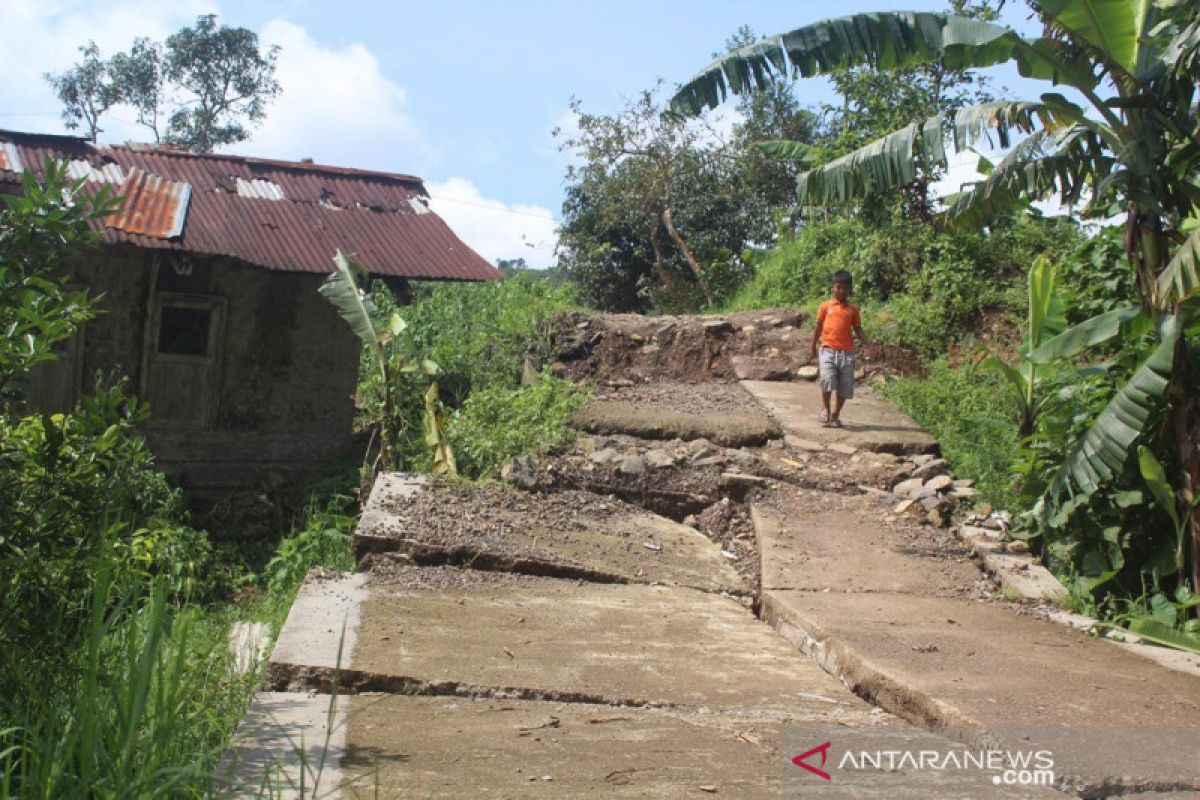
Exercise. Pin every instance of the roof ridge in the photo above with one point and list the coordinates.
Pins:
(180, 152)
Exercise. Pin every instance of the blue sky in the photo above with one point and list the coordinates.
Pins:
(462, 93)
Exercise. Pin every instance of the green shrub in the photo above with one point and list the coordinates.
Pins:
(930, 285)
(968, 411)
(322, 538)
(143, 708)
(496, 424)
(479, 335)
(79, 497)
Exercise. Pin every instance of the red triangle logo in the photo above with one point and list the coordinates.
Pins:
(800, 760)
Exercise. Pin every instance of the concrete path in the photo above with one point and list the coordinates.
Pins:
(729, 429)
(893, 627)
(466, 683)
(617, 654)
(871, 422)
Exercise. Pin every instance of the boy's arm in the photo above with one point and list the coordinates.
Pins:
(862, 337)
(817, 335)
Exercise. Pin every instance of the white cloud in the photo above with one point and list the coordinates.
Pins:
(336, 108)
(45, 37)
(492, 228)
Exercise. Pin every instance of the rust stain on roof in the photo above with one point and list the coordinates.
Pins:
(278, 215)
(151, 206)
(9, 158)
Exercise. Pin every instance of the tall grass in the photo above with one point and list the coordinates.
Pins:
(144, 709)
(146, 703)
(969, 411)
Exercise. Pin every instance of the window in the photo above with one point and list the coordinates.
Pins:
(184, 330)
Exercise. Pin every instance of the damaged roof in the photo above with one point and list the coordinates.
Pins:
(280, 215)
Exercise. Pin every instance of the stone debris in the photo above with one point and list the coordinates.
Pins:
(939, 483)
(796, 443)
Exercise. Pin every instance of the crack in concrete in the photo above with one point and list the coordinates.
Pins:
(424, 555)
(324, 680)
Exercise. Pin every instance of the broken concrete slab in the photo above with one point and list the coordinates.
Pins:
(1021, 575)
(987, 675)
(322, 624)
(441, 747)
(843, 551)
(288, 746)
(730, 429)
(464, 632)
(871, 422)
(604, 549)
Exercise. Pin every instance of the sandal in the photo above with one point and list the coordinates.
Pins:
(834, 423)
(823, 417)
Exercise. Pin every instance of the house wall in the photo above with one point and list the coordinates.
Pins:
(276, 398)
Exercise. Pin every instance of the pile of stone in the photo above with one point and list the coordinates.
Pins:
(930, 490)
(633, 457)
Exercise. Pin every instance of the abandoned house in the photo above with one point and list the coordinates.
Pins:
(208, 277)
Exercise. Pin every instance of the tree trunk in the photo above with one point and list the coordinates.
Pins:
(661, 268)
(1183, 394)
(687, 254)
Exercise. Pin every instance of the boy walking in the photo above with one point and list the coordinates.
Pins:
(836, 320)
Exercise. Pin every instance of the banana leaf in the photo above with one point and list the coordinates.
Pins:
(1102, 451)
(1116, 28)
(1088, 333)
(886, 163)
(1181, 277)
(885, 40)
(1154, 631)
(352, 303)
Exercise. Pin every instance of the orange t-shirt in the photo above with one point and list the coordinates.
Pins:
(839, 319)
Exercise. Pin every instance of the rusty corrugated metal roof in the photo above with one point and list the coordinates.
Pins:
(279, 215)
(151, 206)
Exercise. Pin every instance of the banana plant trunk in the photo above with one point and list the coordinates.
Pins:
(1185, 410)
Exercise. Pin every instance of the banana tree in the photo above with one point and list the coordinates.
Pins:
(1045, 321)
(1132, 148)
(352, 302)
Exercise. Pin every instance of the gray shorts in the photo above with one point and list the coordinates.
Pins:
(837, 372)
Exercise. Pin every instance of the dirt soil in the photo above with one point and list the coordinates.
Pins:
(621, 350)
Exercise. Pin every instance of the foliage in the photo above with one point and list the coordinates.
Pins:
(1132, 151)
(39, 230)
(1095, 278)
(144, 710)
(966, 411)
(201, 89)
(497, 424)
(481, 333)
(322, 538)
(1045, 320)
(923, 286)
(653, 214)
(77, 493)
(379, 334)
(486, 338)
(87, 91)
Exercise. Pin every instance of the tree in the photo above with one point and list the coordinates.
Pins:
(1134, 150)
(87, 91)
(225, 80)
(204, 88)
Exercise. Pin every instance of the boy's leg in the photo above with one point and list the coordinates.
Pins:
(837, 408)
(845, 389)
(827, 376)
